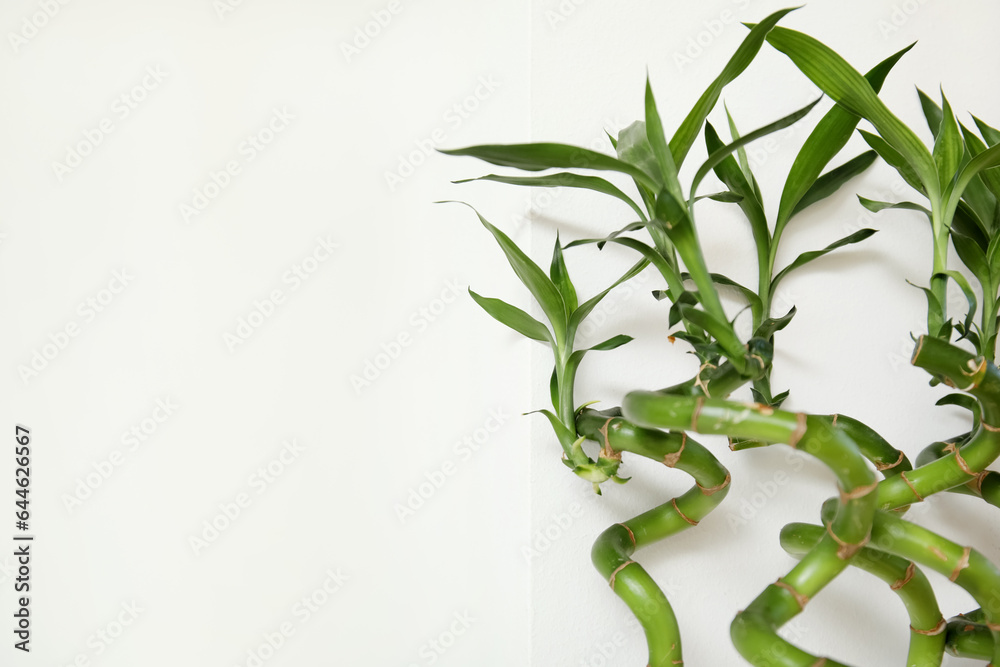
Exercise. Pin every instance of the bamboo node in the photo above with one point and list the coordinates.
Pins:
(857, 492)
(711, 490)
(800, 430)
(800, 599)
(681, 514)
(963, 563)
(953, 448)
(995, 627)
(698, 405)
(980, 478)
(885, 466)
(834, 421)
(671, 460)
(608, 451)
(936, 630)
(698, 382)
(992, 429)
(846, 550)
(611, 580)
(911, 569)
(819, 663)
(910, 484)
(630, 533)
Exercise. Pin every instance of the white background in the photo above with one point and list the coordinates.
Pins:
(439, 370)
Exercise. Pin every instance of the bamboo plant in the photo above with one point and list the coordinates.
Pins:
(862, 525)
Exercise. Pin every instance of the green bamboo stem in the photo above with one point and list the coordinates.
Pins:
(985, 485)
(962, 565)
(975, 375)
(613, 550)
(927, 636)
(888, 460)
(754, 630)
(967, 637)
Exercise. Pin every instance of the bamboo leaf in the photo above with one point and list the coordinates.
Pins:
(988, 159)
(581, 313)
(932, 112)
(541, 156)
(993, 252)
(772, 325)
(721, 331)
(948, 147)
(722, 153)
(690, 127)
(876, 206)
(935, 323)
(655, 258)
(830, 182)
(807, 257)
(973, 257)
(893, 158)
(540, 285)
(834, 76)
(554, 388)
(630, 227)
(990, 178)
(753, 299)
(611, 343)
(658, 143)
(991, 135)
(961, 400)
(741, 155)
(565, 436)
(566, 180)
(513, 317)
(826, 140)
(970, 296)
(735, 179)
(560, 276)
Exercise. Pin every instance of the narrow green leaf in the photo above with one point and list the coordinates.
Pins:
(948, 147)
(513, 317)
(741, 154)
(935, 322)
(961, 400)
(970, 296)
(990, 178)
(772, 325)
(721, 331)
(565, 436)
(540, 285)
(541, 156)
(807, 257)
(630, 227)
(988, 159)
(611, 343)
(581, 313)
(991, 135)
(826, 140)
(932, 112)
(658, 142)
(831, 181)
(735, 179)
(967, 222)
(675, 315)
(721, 154)
(560, 276)
(726, 197)
(893, 158)
(993, 251)
(847, 87)
(566, 180)
(973, 257)
(633, 148)
(876, 206)
(554, 388)
(690, 127)
(753, 299)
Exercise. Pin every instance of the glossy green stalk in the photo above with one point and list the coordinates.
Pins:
(613, 550)
(976, 376)
(754, 630)
(927, 626)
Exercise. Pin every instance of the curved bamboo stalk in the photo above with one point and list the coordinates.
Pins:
(927, 625)
(754, 630)
(613, 550)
